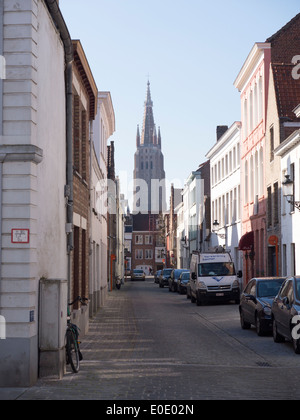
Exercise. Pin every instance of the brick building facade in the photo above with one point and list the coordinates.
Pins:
(85, 94)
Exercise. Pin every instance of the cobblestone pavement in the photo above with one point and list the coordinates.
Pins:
(149, 344)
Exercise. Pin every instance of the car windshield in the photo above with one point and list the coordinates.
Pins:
(167, 271)
(216, 269)
(268, 288)
(298, 288)
(177, 273)
(138, 271)
(185, 276)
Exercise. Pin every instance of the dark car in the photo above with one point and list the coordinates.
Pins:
(256, 302)
(164, 277)
(174, 277)
(156, 276)
(285, 313)
(183, 281)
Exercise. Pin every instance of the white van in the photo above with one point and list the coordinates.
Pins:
(213, 277)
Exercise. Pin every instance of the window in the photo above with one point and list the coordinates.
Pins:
(148, 254)
(255, 105)
(271, 144)
(256, 176)
(292, 175)
(234, 158)
(251, 179)
(226, 165)
(245, 122)
(276, 204)
(293, 259)
(148, 239)
(84, 143)
(260, 99)
(138, 254)
(139, 239)
(284, 261)
(269, 207)
(261, 172)
(246, 183)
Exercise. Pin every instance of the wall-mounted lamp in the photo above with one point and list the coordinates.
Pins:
(216, 224)
(185, 242)
(288, 192)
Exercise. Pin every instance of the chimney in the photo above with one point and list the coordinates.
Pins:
(221, 129)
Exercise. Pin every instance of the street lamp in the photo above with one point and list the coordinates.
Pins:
(288, 192)
(216, 224)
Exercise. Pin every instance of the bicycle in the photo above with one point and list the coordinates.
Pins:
(73, 354)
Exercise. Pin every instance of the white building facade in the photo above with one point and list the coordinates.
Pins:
(33, 236)
(289, 151)
(103, 129)
(193, 216)
(225, 192)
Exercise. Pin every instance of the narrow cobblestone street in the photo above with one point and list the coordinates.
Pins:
(149, 344)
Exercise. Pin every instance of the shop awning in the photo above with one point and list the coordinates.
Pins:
(247, 242)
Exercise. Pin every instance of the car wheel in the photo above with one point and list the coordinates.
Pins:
(259, 329)
(245, 325)
(278, 338)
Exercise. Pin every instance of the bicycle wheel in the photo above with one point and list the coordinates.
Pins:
(72, 351)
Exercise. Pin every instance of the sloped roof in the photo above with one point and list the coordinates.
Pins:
(287, 90)
(284, 28)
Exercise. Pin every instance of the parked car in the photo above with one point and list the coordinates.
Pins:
(285, 313)
(183, 281)
(156, 276)
(138, 275)
(174, 277)
(256, 302)
(164, 277)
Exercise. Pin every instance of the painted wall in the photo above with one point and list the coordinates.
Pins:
(33, 180)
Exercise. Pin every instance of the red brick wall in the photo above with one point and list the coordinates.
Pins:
(286, 42)
(81, 179)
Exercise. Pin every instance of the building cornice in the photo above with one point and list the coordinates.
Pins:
(21, 153)
(251, 62)
(225, 139)
(105, 98)
(288, 144)
(85, 72)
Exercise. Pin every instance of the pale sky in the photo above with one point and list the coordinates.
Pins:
(192, 51)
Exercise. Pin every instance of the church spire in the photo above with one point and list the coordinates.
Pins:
(138, 137)
(159, 138)
(148, 123)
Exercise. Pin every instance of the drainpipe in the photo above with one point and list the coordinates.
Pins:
(68, 47)
(1, 132)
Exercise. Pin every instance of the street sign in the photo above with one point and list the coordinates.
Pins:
(20, 236)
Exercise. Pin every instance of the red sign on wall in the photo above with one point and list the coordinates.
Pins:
(20, 236)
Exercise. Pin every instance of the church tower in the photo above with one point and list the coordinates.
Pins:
(149, 175)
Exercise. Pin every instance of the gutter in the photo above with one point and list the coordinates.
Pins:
(1, 131)
(68, 47)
